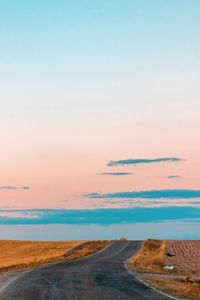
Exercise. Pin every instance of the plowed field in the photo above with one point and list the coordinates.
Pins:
(186, 256)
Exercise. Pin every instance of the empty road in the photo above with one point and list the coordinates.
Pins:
(102, 276)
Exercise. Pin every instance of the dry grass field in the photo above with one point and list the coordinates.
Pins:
(184, 280)
(151, 257)
(19, 255)
(179, 287)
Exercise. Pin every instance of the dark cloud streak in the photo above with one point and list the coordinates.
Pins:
(116, 173)
(113, 163)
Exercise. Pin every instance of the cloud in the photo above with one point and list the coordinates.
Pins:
(138, 202)
(150, 194)
(8, 187)
(113, 163)
(18, 214)
(98, 216)
(174, 177)
(116, 173)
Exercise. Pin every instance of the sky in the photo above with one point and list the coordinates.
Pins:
(99, 106)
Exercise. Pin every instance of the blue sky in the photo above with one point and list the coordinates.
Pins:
(90, 44)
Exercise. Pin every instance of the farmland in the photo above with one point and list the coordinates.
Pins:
(19, 255)
(184, 256)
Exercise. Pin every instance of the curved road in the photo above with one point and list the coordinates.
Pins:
(101, 276)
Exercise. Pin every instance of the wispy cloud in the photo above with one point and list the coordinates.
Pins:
(113, 163)
(150, 194)
(21, 214)
(116, 173)
(174, 177)
(8, 187)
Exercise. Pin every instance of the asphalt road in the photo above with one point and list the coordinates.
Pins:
(102, 276)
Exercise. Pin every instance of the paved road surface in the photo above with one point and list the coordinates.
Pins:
(102, 276)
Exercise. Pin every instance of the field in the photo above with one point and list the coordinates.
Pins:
(185, 256)
(18, 255)
(184, 280)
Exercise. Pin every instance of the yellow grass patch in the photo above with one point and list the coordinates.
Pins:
(151, 256)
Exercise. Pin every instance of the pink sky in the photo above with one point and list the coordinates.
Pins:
(85, 84)
(60, 179)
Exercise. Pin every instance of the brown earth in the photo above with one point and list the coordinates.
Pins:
(185, 256)
(19, 255)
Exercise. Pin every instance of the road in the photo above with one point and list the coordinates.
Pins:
(102, 276)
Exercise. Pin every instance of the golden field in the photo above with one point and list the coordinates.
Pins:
(18, 255)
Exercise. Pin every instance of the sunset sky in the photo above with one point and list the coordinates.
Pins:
(99, 104)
